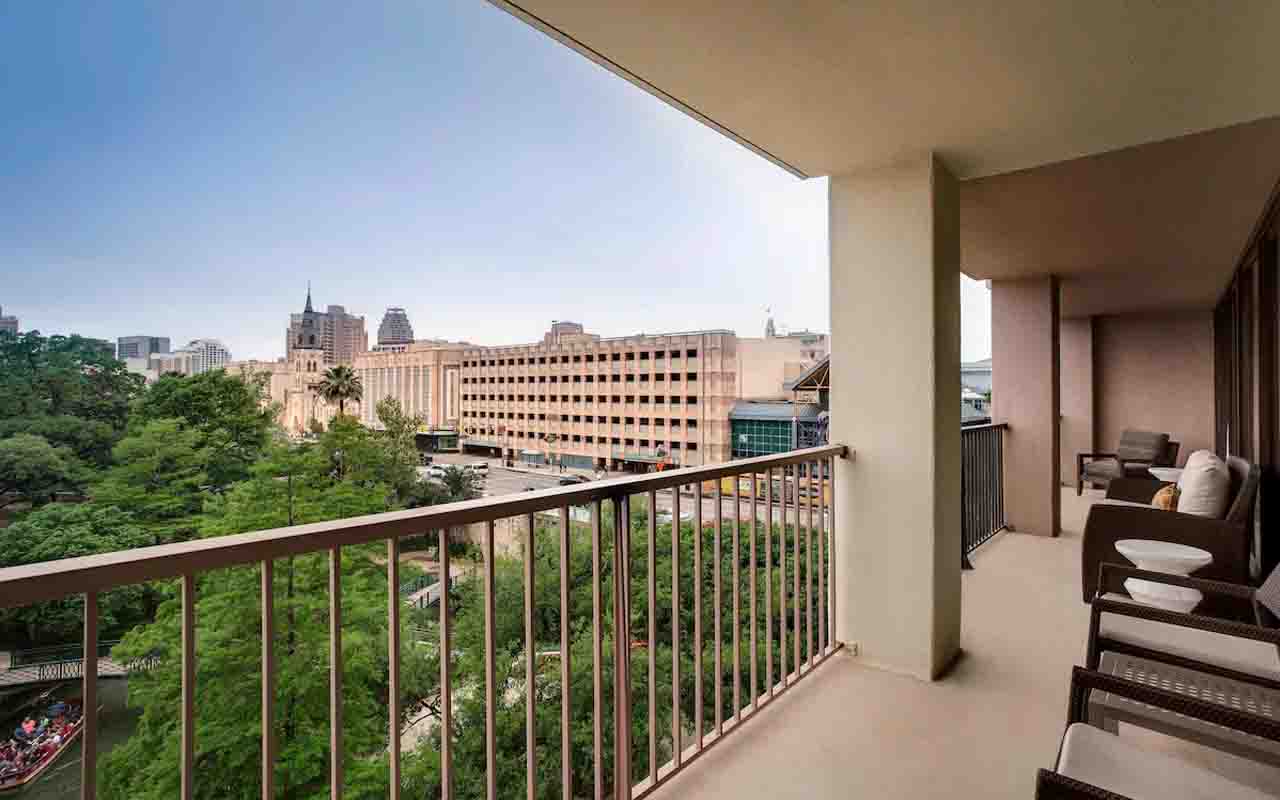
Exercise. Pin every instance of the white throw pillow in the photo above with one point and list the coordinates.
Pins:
(1205, 483)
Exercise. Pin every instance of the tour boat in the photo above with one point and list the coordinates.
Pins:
(11, 784)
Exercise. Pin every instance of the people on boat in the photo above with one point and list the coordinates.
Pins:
(35, 741)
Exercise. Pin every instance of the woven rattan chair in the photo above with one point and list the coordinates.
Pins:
(1231, 660)
(1095, 764)
(1229, 539)
(1138, 450)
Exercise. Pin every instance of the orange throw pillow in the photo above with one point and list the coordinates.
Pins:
(1166, 499)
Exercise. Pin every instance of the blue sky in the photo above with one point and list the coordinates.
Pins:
(183, 169)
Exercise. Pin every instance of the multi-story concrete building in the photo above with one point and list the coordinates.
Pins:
(424, 376)
(291, 388)
(141, 346)
(339, 335)
(395, 328)
(199, 355)
(578, 400)
(8, 324)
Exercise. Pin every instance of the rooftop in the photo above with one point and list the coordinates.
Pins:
(754, 409)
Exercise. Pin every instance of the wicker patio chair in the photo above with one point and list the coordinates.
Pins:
(1231, 661)
(1229, 539)
(1095, 765)
(1138, 450)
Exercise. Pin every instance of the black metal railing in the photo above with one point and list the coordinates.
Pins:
(981, 486)
(56, 654)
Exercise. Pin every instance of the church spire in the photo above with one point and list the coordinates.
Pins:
(308, 309)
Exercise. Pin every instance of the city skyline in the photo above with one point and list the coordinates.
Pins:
(244, 152)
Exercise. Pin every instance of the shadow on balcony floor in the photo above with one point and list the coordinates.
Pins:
(852, 731)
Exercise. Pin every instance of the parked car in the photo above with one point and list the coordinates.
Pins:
(574, 480)
(479, 466)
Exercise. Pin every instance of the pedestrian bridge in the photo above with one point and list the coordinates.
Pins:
(49, 665)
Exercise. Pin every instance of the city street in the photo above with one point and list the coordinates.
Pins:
(500, 481)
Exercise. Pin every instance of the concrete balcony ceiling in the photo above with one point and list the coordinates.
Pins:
(998, 90)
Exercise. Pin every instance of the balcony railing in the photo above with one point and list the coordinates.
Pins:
(803, 627)
(981, 486)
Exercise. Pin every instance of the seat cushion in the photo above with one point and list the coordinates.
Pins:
(1110, 762)
(1112, 501)
(1244, 655)
(1142, 446)
(1103, 469)
(1205, 486)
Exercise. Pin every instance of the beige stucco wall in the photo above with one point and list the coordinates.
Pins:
(1076, 380)
(1155, 372)
(1024, 380)
(765, 365)
(424, 376)
(895, 325)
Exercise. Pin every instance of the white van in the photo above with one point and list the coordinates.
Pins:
(479, 466)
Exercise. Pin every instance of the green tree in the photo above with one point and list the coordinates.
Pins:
(340, 384)
(291, 485)
(356, 454)
(63, 530)
(230, 412)
(64, 376)
(422, 773)
(462, 484)
(400, 429)
(34, 471)
(159, 477)
(89, 440)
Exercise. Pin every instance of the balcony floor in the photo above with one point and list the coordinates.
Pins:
(850, 731)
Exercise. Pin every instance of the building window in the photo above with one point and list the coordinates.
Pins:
(691, 353)
(759, 437)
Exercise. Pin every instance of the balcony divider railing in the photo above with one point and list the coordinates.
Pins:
(981, 486)
(807, 520)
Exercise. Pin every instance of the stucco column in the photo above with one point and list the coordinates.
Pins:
(1076, 398)
(1025, 366)
(895, 401)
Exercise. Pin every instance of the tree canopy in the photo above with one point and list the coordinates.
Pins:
(58, 376)
(228, 411)
(34, 471)
(340, 385)
(160, 477)
(64, 401)
(67, 530)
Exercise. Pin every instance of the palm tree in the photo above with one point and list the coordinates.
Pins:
(340, 384)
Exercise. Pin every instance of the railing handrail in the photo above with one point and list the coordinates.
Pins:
(18, 658)
(984, 426)
(53, 580)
